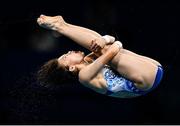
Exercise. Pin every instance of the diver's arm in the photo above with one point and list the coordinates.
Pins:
(90, 57)
(89, 72)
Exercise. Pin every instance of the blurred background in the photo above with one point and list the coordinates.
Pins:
(147, 28)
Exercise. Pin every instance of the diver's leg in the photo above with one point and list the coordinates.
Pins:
(140, 69)
(140, 56)
(141, 72)
(80, 35)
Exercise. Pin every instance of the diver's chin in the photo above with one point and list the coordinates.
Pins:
(82, 60)
(82, 53)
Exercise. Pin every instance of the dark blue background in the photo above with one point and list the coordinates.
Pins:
(148, 28)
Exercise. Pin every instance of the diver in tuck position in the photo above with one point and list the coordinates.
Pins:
(109, 69)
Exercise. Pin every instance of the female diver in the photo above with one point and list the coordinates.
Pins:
(109, 69)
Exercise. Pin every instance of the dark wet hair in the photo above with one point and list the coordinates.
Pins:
(52, 74)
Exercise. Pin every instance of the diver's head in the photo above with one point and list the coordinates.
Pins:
(61, 70)
(71, 59)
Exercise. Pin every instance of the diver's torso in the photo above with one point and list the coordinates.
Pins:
(109, 82)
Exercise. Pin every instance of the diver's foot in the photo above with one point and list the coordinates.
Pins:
(51, 22)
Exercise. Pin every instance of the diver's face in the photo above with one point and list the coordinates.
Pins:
(71, 58)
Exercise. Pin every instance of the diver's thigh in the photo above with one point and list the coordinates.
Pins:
(136, 69)
(125, 51)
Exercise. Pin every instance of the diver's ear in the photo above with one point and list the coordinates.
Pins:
(72, 68)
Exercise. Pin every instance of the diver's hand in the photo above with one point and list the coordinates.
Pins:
(119, 44)
(115, 47)
(108, 39)
(97, 45)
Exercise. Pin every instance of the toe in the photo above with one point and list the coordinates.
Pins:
(38, 20)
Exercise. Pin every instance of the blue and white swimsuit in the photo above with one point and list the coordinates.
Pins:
(122, 87)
